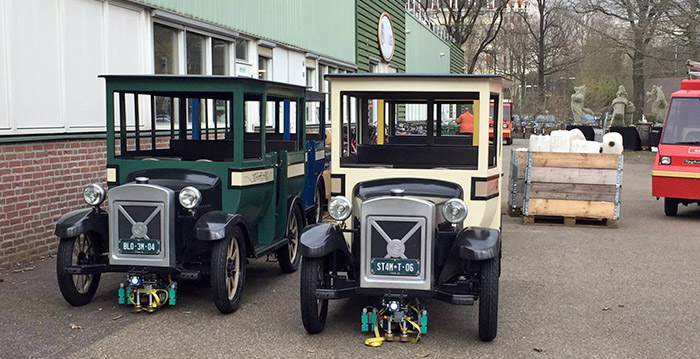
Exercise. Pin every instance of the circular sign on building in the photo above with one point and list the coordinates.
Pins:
(385, 35)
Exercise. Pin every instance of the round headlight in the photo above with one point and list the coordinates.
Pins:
(189, 197)
(339, 208)
(665, 160)
(505, 125)
(94, 194)
(454, 210)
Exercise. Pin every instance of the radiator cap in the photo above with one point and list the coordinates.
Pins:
(397, 192)
(141, 180)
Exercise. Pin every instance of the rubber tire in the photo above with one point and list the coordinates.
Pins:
(314, 321)
(319, 201)
(64, 258)
(286, 264)
(670, 206)
(509, 141)
(218, 273)
(488, 300)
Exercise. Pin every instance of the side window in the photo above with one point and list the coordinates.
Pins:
(194, 133)
(219, 57)
(252, 126)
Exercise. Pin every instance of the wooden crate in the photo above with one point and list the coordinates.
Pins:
(516, 183)
(576, 187)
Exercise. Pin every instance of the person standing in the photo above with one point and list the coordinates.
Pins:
(465, 122)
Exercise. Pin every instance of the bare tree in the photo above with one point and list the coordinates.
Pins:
(682, 24)
(465, 21)
(641, 18)
(554, 46)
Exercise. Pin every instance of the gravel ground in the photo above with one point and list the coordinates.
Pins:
(565, 292)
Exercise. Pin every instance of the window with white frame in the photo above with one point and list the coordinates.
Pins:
(264, 68)
(310, 77)
(242, 50)
(219, 57)
(165, 48)
(196, 49)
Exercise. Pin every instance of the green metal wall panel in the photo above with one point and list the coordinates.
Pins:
(367, 14)
(456, 59)
(425, 52)
(325, 27)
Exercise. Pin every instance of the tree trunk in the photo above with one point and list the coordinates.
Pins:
(638, 82)
(541, 56)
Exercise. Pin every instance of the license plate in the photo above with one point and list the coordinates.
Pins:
(391, 266)
(139, 246)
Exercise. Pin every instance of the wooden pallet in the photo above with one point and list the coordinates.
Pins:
(572, 188)
(570, 221)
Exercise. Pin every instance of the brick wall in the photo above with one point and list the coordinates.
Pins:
(39, 182)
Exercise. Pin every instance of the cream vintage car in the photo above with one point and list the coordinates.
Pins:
(416, 210)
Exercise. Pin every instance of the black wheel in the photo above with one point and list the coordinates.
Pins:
(670, 206)
(488, 300)
(228, 269)
(318, 202)
(509, 141)
(288, 256)
(77, 289)
(313, 310)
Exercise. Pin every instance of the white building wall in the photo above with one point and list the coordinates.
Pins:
(4, 93)
(51, 53)
(35, 64)
(82, 87)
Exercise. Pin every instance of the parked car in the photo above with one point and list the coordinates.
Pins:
(416, 216)
(507, 123)
(196, 200)
(676, 169)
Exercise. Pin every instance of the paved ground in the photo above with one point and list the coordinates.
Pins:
(565, 292)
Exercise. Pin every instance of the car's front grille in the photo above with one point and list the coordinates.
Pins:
(396, 238)
(396, 243)
(142, 223)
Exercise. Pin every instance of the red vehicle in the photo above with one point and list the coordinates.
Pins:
(507, 121)
(676, 173)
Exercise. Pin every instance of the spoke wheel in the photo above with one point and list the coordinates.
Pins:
(313, 310)
(318, 201)
(288, 256)
(77, 289)
(228, 272)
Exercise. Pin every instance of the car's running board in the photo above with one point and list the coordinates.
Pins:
(334, 293)
(458, 299)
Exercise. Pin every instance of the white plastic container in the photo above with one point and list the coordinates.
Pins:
(540, 143)
(575, 135)
(578, 146)
(612, 143)
(561, 141)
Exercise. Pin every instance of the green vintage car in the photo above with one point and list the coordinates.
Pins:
(204, 172)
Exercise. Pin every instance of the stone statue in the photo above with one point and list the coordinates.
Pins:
(577, 104)
(623, 109)
(658, 103)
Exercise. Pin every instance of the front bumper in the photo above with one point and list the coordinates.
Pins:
(683, 185)
(457, 294)
(191, 274)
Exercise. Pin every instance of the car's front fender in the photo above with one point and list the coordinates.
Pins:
(471, 245)
(320, 239)
(216, 225)
(478, 244)
(85, 220)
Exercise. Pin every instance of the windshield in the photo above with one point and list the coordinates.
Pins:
(682, 125)
(506, 113)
